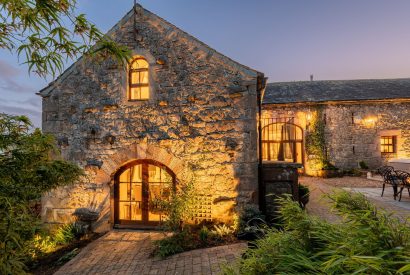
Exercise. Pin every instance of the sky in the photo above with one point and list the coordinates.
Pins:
(288, 40)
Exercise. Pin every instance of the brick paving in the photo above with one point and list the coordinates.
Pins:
(128, 252)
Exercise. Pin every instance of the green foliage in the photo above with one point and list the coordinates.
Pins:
(179, 242)
(27, 170)
(316, 140)
(220, 231)
(178, 207)
(204, 234)
(47, 241)
(47, 33)
(367, 242)
(248, 213)
(363, 165)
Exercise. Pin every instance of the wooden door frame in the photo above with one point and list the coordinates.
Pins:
(145, 193)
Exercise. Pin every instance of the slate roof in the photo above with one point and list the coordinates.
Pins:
(336, 90)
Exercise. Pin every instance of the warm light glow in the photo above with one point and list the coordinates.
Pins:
(369, 121)
(309, 116)
(139, 79)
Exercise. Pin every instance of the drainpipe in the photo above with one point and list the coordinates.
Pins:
(261, 188)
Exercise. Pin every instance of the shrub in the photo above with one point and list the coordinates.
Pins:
(368, 241)
(177, 243)
(27, 170)
(204, 234)
(221, 231)
(248, 213)
(177, 208)
(363, 165)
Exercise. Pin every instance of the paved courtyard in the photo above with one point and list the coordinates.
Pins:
(370, 188)
(128, 252)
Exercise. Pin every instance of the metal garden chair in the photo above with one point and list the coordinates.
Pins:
(390, 178)
(404, 177)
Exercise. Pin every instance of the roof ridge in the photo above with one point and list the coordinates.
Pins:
(47, 90)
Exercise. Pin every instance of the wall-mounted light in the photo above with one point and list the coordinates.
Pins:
(309, 116)
(369, 121)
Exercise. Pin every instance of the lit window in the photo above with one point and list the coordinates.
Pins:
(138, 79)
(388, 144)
(282, 142)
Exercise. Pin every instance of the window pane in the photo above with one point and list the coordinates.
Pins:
(136, 211)
(143, 77)
(139, 63)
(125, 176)
(144, 93)
(136, 192)
(135, 77)
(136, 173)
(135, 93)
(125, 191)
(124, 209)
(154, 173)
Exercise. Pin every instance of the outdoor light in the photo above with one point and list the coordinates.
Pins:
(309, 116)
(369, 121)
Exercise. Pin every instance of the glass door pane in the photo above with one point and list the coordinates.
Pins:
(130, 194)
(159, 184)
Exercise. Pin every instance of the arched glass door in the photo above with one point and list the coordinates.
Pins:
(138, 187)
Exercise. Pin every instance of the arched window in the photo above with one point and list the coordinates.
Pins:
(138, 79)
(282, 142)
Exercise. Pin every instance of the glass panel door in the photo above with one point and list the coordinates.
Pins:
(160, 184)
(130, 194)
(139, 190)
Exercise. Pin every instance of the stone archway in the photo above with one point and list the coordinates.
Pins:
(138, 187)
(111, 164)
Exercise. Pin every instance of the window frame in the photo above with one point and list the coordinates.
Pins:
(393, 144)
(132, 85)
(294, 142)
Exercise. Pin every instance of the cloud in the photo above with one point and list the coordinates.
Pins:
(10, 79)
(34, 115)
(7, 70)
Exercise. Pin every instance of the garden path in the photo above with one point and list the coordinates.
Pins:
(371, 189)
(128, 252)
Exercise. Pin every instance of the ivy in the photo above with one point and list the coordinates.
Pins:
(316, 140)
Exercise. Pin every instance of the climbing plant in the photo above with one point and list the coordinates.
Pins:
(316, 140)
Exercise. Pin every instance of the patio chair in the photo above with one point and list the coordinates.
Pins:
(404, 177)
(389, 177)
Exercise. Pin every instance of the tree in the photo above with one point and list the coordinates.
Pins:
(28, 167)
(46, 33)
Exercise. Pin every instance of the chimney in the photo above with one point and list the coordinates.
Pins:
(311, 77)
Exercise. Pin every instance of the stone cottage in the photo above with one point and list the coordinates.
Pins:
(180, 112)
(364, 121)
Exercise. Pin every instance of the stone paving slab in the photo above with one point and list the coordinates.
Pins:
(371, 189)
(128, 252)
(398, 208)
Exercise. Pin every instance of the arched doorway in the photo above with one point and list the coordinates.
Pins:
(138, 185)
(282, 141)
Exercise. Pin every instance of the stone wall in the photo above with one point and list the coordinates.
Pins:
(353, 130)
(200, 121)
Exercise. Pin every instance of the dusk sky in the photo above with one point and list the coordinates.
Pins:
(287, 40)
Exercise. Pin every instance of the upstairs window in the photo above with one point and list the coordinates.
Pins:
(388, 144)
(138, 79)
